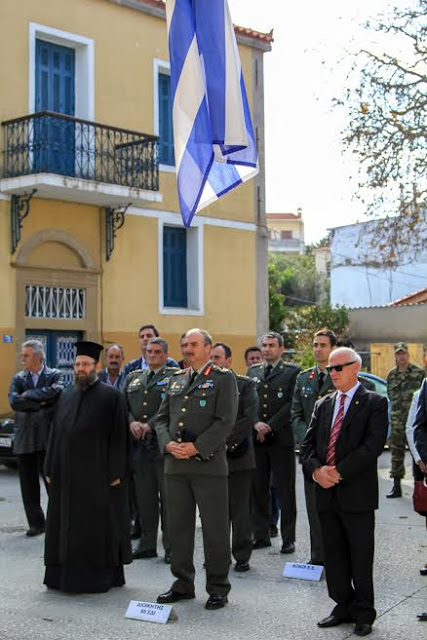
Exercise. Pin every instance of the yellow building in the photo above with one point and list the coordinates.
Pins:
(286, 232)
(91, 241)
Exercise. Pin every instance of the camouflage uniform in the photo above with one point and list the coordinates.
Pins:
(400, 389)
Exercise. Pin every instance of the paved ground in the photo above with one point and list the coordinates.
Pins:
(263, 604)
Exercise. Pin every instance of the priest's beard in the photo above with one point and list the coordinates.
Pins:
(83, 379)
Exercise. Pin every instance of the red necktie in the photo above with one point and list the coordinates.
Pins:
(335, 432)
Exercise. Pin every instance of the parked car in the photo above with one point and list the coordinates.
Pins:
(7, 434)
(380, 383)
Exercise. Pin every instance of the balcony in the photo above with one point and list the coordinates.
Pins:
(77, 160)
(286, 245)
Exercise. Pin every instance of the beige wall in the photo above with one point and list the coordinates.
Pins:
(382, 357)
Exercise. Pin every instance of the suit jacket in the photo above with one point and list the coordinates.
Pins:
(275, 397)
(240, 448)
(360, 442)
(420, 423)
(34, 408)
(202, 412)
(306, 394)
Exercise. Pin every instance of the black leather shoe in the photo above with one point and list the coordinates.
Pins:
(423, 570)
(288, 547)
(331, 621)
(396, 491)
(274, 531)
(34, 531)
(242, 565)
(174, 596)
(141, 554)
(216, 601)
(362, 629)
(319, 563)
(167, 557)
(261, 543)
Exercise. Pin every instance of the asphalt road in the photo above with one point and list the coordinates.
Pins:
(262, 603)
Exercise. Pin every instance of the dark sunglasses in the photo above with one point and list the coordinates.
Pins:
(338, 367)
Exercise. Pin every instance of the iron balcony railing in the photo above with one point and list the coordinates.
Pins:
(47, 142)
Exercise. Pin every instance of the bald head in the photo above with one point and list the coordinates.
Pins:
(344, 365)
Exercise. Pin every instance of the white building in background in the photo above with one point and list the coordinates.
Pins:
(286, 232)
(368, 269)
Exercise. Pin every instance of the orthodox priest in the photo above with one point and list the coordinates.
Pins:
(87, 467)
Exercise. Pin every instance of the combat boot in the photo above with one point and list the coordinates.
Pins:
(396, 491)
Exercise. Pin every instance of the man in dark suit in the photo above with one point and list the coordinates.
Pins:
(274, 443)
(241, 460)
(194, 421)
(311, 385)
(32, 395)
(347, 433)
(420, 440)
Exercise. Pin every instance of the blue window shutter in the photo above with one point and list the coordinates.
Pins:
(54, 139)
(166, 150)
(175, 267)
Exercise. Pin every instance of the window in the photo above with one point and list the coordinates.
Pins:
(286, 235)
(181, 274)
(175, 266)
(166, 150)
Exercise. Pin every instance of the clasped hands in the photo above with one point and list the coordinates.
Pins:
(327, 476)
(181, 450)
(139, 429)
(261, 428)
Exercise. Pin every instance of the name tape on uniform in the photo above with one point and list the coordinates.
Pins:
(303, 571)
(150, 612)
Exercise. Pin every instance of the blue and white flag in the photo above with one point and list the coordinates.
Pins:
(215, 148)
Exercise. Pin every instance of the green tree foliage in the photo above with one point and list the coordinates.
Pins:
(293, 287)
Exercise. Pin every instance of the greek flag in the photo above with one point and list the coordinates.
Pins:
(215, 148)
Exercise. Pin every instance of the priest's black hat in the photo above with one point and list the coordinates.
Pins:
(91, 349)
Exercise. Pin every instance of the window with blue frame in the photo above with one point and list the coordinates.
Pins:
(166, 151)
(175, 267)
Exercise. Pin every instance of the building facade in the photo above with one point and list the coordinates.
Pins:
(286, 233)
(92, 244)
(371, 266)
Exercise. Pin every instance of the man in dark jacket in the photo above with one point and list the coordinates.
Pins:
(347, 433)
(32, 395)
(274, 443)
(241, 460)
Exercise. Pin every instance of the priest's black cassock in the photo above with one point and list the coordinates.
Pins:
(87, 529)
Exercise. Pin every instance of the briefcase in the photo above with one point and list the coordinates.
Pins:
(420, 496)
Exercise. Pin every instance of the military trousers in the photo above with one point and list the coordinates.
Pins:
(397, 444)
(277, 463)
(210, 494)
(150, 492)
(239, 494)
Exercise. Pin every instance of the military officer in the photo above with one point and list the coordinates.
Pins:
(241, 460)
(144, 390)
(274, 443)
(312, 384)
(194, 421)
(402, 381)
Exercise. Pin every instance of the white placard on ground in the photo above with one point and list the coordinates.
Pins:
(303, 571)
(149, 611)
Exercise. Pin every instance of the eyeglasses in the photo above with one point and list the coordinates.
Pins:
(338, 367)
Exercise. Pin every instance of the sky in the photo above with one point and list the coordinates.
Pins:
(303, 72)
